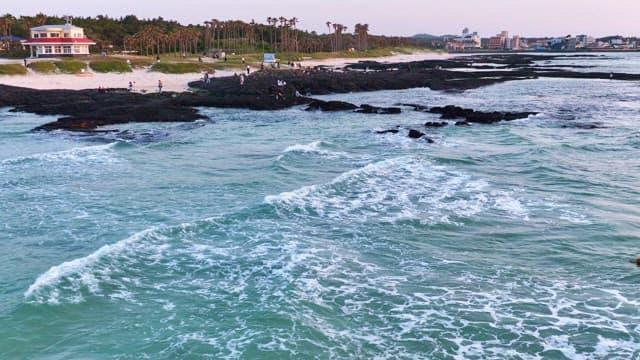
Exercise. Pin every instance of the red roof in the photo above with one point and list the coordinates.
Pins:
(60, 41)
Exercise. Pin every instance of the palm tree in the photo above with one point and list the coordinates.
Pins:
(293, 22)
(6, 22)
(329, 27)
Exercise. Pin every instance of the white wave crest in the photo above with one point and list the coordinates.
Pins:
(96, 153)
(315, 147)
(78, 269)
(405, 188)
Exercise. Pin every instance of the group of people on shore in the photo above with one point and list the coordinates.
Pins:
(131, 86)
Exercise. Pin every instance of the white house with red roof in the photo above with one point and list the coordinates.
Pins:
(58, 40)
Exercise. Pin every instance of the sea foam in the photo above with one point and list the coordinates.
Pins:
(404, 188)
(96, 153)
(316, 147)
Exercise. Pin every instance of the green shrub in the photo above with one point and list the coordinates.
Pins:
(12, 69)
(108, 66)
(70, 66)
(43, 66)
(181, 68)
(138, 63)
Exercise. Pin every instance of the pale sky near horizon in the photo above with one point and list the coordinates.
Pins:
(396, 17)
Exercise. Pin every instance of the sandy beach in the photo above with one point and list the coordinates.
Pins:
(340, 62)
(143, 80)
(147, 81)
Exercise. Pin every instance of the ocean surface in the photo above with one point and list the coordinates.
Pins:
(293, 234)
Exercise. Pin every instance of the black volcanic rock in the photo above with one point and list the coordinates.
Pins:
(472, 116)
(415, 134)
(330, 106)
(391, 131)
(85, 110)
(436, 124)
(369, 109)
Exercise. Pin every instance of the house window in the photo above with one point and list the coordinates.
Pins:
(66, 35)
(66, 49)
(47, 49)
(43, 35)
(35, 35)
(58, 49)
(54, 35)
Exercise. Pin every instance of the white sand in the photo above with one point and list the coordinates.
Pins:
(341, 62)
(143, 80)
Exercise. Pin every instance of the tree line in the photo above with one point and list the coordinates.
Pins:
(159, 36)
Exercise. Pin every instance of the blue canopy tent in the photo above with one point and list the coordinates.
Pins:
(11, 38)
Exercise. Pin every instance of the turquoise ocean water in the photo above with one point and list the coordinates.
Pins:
(296, 235)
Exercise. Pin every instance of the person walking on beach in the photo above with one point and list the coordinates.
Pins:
(25, 62)
(206, 78)
(159, 86)
(248, 70)
(130, 86)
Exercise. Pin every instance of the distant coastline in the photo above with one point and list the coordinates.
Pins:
(489, 51)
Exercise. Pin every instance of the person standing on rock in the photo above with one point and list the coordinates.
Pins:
(159, 86)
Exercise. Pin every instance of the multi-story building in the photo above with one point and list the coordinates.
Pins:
(58, 40)
(467, 41)
(499, 42)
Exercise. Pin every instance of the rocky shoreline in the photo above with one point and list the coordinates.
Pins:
(87, 110)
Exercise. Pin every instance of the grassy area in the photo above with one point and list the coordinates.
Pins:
(139, 63)
(12, 69)
(45, 67)
(70, 66)
(182, 67)
(110, 66)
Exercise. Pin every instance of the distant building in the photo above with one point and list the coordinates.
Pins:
(500, 41)
(515, 43)
(467, 41)
(582, 41)
(58, 40)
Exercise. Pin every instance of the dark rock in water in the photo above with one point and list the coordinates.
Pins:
(463, 123)
(391, 131)
(638, 261)
(369, 109)
(330, 106)
(436, 124)
(415, 134)
(416, 107)
(450, 112)
(481, 117)
(584, 126)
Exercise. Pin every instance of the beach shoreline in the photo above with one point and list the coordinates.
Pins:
(146, 81)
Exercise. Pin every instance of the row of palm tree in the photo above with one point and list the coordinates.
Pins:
(362, 33)
(153, 41)
(158, 36)
(280, 35)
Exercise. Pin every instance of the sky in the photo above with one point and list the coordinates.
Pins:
(388, 17)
